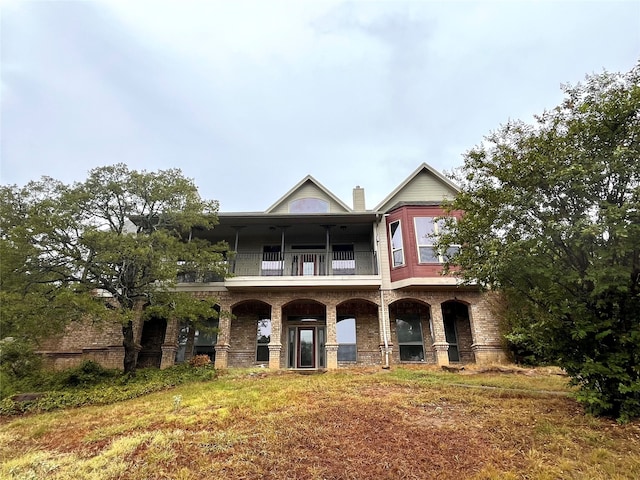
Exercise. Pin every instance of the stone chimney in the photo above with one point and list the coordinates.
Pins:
(358, 199)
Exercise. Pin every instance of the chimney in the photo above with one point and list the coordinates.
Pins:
(358, 199)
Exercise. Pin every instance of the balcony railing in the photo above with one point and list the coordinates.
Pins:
(307, 263)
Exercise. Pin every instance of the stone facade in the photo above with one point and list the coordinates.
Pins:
(478, 337)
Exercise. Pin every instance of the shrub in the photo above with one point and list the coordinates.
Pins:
(111, 386)
(86, 374)
(200, 361)
(20, 367)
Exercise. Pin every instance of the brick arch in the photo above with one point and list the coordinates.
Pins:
(357, 305)
(250, 304)
(304, 306)
(410, 309)
(404, 302)
(455, 299)
(364, 349)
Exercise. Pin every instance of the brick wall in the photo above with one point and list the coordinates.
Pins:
(478, 336)
(242, 351)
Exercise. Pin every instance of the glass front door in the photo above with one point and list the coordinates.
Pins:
(306, 347)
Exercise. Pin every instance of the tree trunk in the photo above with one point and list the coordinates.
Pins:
(130, 349)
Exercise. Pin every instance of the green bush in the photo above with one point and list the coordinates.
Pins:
(20, 367)
(86, 374)
(109, 387)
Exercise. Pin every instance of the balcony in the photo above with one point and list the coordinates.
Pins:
(293, 264)
(307, 263)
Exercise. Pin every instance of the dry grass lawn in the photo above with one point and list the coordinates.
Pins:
(359, 424)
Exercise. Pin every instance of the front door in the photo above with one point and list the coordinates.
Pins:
(306, 347)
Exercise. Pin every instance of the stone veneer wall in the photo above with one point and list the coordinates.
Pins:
(367, 340)
(242, 348)
(81, 341)
(103, 343)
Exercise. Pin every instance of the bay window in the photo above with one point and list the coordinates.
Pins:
(427, 231)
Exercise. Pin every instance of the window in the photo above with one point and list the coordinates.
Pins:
(205, 339)
(309, 205)
(427, 231)
(409, 331)
(201, 341)
(397, 252)
(264, 337)
(346, 334)
(194, 341)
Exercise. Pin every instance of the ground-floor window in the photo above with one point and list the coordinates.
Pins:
(197, 341)
(346, 335)
(264, 337)
(410, 343)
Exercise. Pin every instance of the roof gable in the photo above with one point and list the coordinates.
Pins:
(307, 192)
(425, 184)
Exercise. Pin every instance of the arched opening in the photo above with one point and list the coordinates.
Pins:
(152, 338)
(412, 332)
(457, 330)
(305, 324)
(198, 339)
(250, 333)
(358, 332)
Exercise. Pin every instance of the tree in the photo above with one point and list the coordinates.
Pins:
(552, 220)
(121, 233)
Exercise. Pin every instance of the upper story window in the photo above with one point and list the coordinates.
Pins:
(397, 250)
(309, 205)
(427, 231)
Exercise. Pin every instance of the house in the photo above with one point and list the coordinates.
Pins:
(318, 284)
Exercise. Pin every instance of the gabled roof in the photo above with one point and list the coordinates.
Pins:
(445, 188)
(319, 191)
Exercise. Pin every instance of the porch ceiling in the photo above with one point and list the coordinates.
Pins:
(354, 223)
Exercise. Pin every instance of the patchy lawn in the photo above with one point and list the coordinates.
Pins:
(404, 423)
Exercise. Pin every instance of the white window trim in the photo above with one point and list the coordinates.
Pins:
(401, 249)
(436, 233)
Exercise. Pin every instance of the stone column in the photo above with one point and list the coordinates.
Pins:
(487, 346)
(331, 345)
(222, 356)
(440, 345)
(170, 345)
(224, 337)
(168, 355)
(275, 345)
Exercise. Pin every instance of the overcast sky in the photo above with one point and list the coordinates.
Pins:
(248, 97)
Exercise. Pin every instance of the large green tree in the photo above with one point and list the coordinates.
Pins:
(109, 247)
(552, 220)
